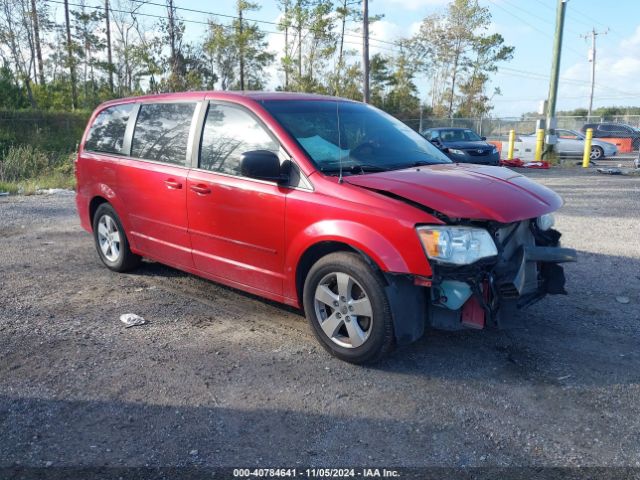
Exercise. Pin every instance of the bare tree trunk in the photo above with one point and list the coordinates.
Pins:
(36, 33)
(453, 79)
(27, 23)
(299, 41)
(172, 42)
(343, 25)
(72, 68)
(109, 57)
(286, 45)
(241, 44)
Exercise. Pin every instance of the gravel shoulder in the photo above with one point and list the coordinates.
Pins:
(221, 378)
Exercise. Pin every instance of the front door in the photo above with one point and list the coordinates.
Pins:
(153, 182)
(236, 224)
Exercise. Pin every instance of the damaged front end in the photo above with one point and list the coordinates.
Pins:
(523, 267)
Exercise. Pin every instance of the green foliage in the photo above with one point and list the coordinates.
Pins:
(26, 169)
(457, 55)
(22, 162)
(11, 94)
(611, 111)
(49, 131)
(238, 52)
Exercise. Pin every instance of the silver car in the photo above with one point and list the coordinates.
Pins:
(571, 143)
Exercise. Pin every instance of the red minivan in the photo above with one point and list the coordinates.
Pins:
(321, 203)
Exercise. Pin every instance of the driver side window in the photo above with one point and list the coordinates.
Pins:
(229, 132)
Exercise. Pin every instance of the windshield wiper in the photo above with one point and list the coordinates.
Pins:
(364, 168)
(360, 168)
(421, 163)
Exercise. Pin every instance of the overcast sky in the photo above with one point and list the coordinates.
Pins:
(526, 24)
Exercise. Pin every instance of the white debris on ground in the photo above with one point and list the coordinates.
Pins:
(132, 320)
(54, 191)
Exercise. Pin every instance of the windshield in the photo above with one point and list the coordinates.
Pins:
(459, 135)
(359, 137)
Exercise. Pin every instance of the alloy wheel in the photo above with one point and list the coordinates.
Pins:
(109, 238)
(343, 309)
(596, 153)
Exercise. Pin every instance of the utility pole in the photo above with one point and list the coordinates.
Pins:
(555, 75)
(365, 50)
(592, 58)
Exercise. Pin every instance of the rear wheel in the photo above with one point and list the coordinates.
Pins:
(347, 308)
(111, 241)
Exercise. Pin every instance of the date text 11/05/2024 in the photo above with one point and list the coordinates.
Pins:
(315, 473)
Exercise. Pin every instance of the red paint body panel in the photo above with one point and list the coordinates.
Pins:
(155, 196)
(237, 230)
(251, 234)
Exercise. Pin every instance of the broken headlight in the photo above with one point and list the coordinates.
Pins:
(456, 245)
(545, 222)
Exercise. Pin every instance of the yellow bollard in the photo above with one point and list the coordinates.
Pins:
(539, 144)
(586, 157)
(512, 141)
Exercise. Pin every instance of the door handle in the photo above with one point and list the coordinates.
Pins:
(172, 184)
(201, 189)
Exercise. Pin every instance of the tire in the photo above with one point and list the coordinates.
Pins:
(111, 241)
(337, 288)
(596, 153)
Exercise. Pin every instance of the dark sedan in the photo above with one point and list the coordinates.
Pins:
(463, 145)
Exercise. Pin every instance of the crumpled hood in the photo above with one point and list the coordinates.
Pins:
(466, 191)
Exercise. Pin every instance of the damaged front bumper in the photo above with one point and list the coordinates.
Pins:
(490, 291)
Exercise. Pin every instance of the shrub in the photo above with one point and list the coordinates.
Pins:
(22, 162)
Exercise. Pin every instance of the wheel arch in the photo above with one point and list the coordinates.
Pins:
(330, 236)
(321, 249)
(93, 207)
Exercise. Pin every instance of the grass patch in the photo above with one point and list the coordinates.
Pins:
(25, 170)
(43, 182)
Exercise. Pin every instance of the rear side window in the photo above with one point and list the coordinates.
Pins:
(228, 133)
(107, 132)
(162, 132)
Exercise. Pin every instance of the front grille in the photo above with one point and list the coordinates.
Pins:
(478, 152)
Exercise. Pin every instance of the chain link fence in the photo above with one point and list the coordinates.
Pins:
(49, 131)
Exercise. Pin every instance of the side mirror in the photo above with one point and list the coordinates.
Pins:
(263, 165)
(439, 145)
(484, 139)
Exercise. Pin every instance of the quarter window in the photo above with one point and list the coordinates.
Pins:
(229, 132)
(107, 132)
(162, 132)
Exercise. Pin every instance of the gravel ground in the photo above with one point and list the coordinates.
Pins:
(221, 378)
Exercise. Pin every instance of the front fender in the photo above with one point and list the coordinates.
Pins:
(356, 235)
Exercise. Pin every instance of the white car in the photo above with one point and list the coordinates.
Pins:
(571, 143)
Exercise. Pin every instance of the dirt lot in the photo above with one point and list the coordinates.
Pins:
(220, 378)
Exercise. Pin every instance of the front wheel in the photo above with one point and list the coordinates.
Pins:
(596, 153)
(111, 242)
(347, 308)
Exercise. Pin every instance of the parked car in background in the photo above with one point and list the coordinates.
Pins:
(614, 130)
(463, 145)
(321, 203)
(571, 143)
